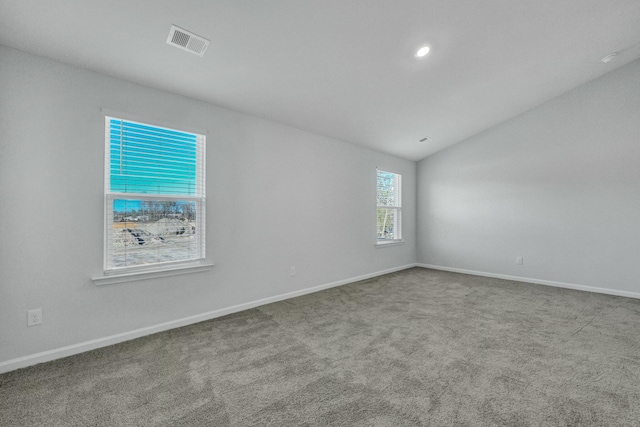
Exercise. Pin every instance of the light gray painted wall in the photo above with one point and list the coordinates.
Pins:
(558, 185)
(276, 197)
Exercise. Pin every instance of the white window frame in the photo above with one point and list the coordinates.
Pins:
(155, 269)
(397, 207)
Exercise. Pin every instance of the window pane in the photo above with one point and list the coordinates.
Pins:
(153, 231)
(166, 221)
(386, 189)
(388, 224)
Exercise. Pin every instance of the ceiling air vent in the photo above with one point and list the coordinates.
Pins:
(188, 41)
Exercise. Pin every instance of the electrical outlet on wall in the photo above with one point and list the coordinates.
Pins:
(292, 271)
(34, 317)
(519, 260)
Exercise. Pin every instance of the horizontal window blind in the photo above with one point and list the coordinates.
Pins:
(149, 159)
(155, 195)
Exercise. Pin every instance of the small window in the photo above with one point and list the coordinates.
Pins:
(389, 210)
(154, 195)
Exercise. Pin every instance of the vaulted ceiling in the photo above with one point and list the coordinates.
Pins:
(344, 68)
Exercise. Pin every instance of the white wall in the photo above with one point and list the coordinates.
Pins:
(276, 197)
(558, 185)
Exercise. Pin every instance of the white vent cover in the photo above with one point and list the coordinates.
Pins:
(188, 41)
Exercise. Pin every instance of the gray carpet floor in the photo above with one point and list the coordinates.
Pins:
(415, 348)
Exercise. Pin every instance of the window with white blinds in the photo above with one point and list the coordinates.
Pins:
(154, 195)
(389, 209)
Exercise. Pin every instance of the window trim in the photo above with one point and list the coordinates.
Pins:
(388, 243)
(398, 207)
(159, 269)
(168, 271)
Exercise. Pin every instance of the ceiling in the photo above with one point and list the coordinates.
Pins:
(344, 68)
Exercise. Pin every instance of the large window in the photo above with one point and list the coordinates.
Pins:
(154, 196)
(389, 208)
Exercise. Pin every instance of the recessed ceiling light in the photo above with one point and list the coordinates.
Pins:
(609, 58)
(422, 51)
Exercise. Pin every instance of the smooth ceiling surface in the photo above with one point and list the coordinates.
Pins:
(344, 68)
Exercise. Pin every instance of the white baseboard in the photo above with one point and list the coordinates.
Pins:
(536, 281)
(58, 353)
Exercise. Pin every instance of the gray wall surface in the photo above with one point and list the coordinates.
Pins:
(276, 197)
(558, 185)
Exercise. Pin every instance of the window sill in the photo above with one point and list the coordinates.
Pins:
(385, 244)
(143, 275)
